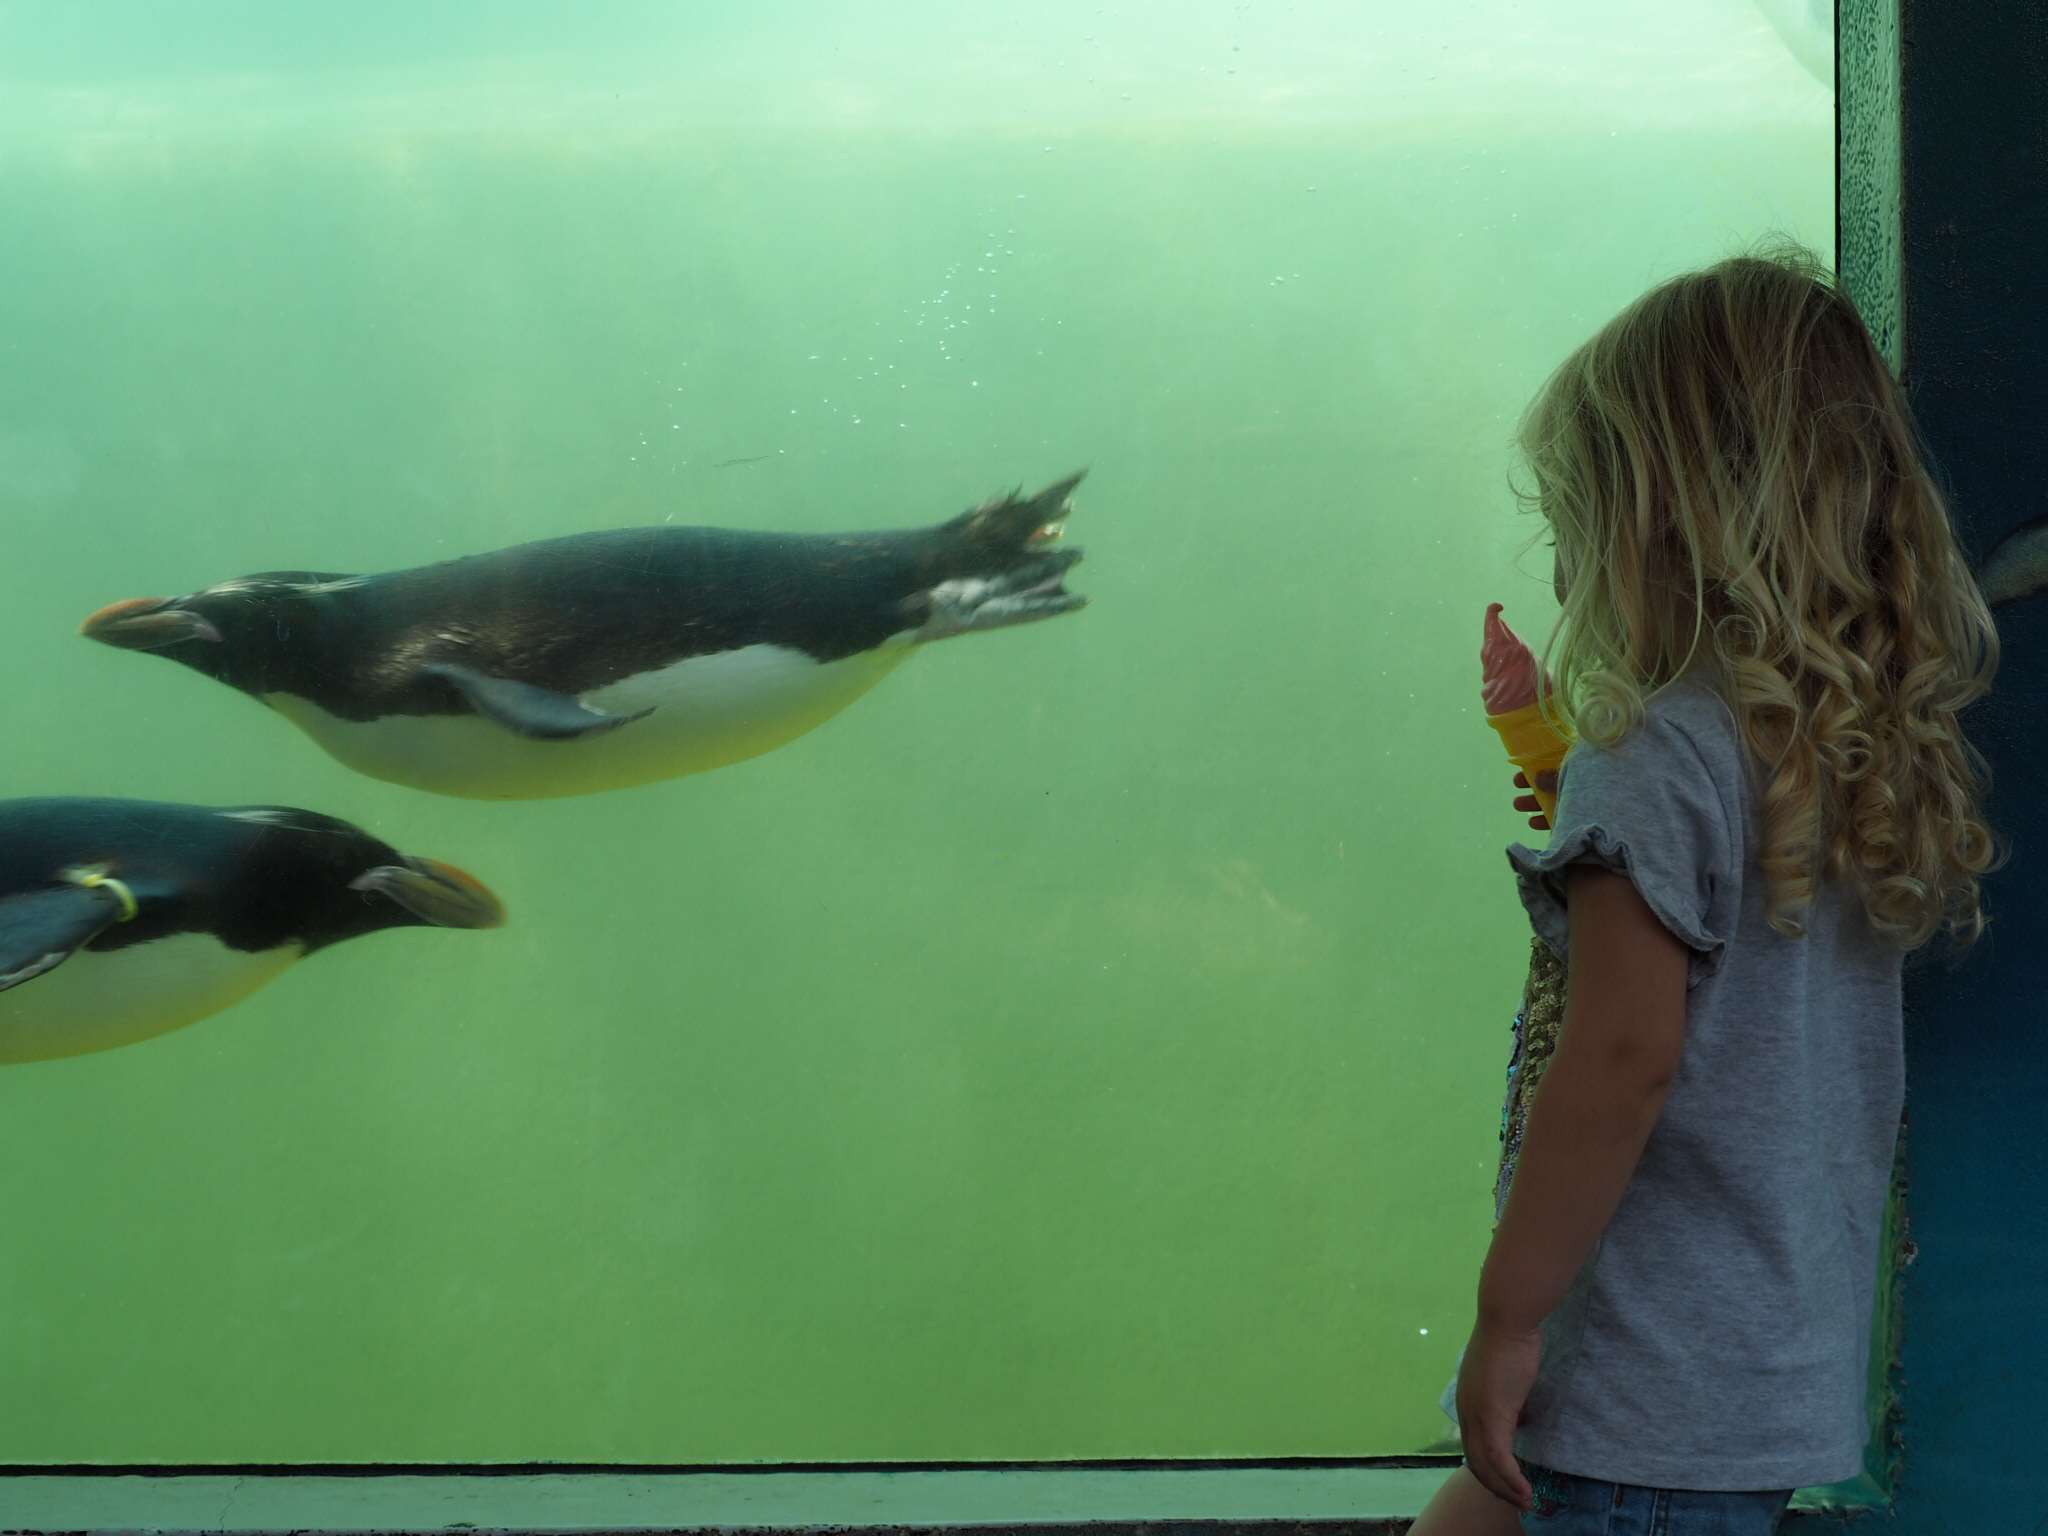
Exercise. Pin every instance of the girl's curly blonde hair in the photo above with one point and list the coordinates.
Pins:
(1733, 481)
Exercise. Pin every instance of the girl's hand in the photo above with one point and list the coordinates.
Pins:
(1547, 780)
(1507, 667)
(1493, 1384)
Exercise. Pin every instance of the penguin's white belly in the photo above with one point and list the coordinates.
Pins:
(95, 1001)
(707, 711)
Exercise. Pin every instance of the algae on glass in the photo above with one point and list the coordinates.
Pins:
(1090, 1044)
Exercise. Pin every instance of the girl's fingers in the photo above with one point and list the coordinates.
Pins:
(1490, 1457)
(1545, 781)
(1494, 1379)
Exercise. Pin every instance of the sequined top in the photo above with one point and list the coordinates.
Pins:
(1535, 1036)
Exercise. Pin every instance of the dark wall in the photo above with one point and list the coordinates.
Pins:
(1972, 299)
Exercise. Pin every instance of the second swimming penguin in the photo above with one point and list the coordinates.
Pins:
(125, 919)
(602, 660)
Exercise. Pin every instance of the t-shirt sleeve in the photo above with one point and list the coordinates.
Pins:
(1651, 808)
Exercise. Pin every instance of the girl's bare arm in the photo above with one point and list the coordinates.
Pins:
(1617, 1052)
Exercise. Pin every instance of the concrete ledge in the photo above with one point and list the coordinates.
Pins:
(1225, 1501)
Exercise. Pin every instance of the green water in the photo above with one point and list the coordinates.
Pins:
(1089, 1045)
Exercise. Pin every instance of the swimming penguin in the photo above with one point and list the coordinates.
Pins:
(601, 660)
(125, 919)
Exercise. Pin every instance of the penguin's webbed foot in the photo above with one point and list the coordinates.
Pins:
(1029, 590)
(1008, 525)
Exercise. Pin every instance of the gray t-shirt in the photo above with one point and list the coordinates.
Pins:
(1718, 1336)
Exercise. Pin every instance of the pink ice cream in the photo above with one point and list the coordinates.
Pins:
(1507, 665)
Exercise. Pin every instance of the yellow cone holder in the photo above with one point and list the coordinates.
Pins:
(1534, 746)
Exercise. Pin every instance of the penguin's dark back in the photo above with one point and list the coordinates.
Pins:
(256, 876)
(573, 613)
(659, 594)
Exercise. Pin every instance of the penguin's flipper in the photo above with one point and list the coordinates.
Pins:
(40, 930)
(2017, 566)
(539, 714)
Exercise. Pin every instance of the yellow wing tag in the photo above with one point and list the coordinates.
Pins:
(97, 877)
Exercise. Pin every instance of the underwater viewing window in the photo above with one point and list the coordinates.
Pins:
(1089, 1043)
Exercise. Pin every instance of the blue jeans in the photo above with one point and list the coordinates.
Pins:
(1584, 1506)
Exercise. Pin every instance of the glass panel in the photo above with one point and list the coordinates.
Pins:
(1088, 1044)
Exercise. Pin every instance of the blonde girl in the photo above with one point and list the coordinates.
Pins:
(1767, 634)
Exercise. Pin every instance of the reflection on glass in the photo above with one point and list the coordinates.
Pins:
(1086, 1046)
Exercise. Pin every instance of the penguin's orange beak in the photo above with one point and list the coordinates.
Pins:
(438, 893)
(147, 624)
